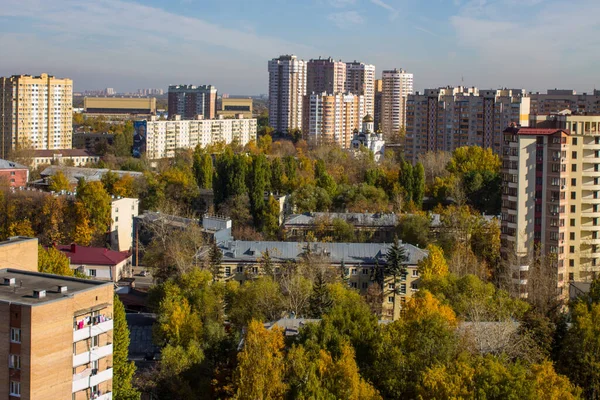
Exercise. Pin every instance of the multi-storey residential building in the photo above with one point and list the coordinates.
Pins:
(359, 263)
(287, 87)
(19, 252)
(397, 85)
(557, 100)
(232, 107)
(122, 213)
(360, 80)
(160, 139)
(447, 118)
(189, 101)
(56, 335)
(378, 104)
(332, 118)
(325, 75)
(35, 112)
(551, 195)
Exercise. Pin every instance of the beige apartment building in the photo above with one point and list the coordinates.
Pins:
(360, 80)
(57, 337)
(378, 104)
(325, 75)
(119, 107)
(551, 195)
(35, 112)
(230, 108)
(287, 87)
(332, 118)
(557, 100)
(397, 84)
(445, 119)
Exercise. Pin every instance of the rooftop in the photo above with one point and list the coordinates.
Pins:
(535, 131)
(63, 153)
(26, 282)
(357, 219)
(351, 253)
(90, 174)
(6, 164)
(15, 239)
(93, 255)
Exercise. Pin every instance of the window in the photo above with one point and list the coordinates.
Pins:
(14, 361)
(117, 218)
(227, 271)
(354, 271)
(12, 173)
(391, 299)
(574, 155)
(573, 195)
(391, 286)
(415, 272)
(15, 388)
(365, 271)
(239, 270)
(572, 236)
(15, 335)
(92, 272)
(403, 288)
(571, 263)
(353, 285)
(573, 208)
(95, 341)
(571, 276)
(573, 181)
(573, 167)
(571, 249)
(365, 285)
(574, 141)
(572, 222)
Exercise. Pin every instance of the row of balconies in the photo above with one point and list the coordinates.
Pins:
(90, 378)
(92, 330)
(94, 354)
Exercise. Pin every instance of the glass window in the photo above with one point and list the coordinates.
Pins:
(14, 361)
(15, 388)
(15, 335)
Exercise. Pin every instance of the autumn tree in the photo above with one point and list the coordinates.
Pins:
(434, 264)
(123, 368)
(53, 261)
(59, 182)
(203, 168)
(261, 368)
(97, 205)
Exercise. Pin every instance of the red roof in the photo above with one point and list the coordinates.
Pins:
(93, 255)
(535, 131)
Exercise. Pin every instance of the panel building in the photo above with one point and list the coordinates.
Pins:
(397, 84)
(325, 75)
(551, 196)
(189, 101)
(287, 87)
(557, 100)
(119, 106)
(360, 80)
(332, 118)
(447, 118)
(159, 139)
(56, 335)
(35, 112)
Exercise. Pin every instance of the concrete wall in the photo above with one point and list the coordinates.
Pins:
(19, 253)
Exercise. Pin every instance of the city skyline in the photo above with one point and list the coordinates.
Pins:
(190, 42)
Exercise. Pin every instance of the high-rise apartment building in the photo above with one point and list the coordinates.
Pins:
(325, 75)
(159, 139)
(35, 112)
(188, 101)
(360, 80)
(287, 87)
(557, 100)
(447, 118)
(397, 85)
(56, 335)
(378, 104)
(551, 196)
(332, 118)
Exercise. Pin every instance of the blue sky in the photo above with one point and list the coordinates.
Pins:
(531, 44)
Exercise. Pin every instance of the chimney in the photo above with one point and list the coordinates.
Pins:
(39, 293)
(73, 248)
(9, 281)
(61, 289)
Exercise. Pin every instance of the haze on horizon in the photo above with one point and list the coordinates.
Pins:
(126, 45)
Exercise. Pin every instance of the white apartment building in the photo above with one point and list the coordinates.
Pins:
(360, 80)
(164, 137)
(397, 85)
(444, 119)
(287, 87)
(35, 112)
(122, 212)
(332, 118)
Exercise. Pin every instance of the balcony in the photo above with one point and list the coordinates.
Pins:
(590, 200)
(100, 377)
(105, 396)
(81, 381)
(92, 330)
(94, 354)
(87, 379)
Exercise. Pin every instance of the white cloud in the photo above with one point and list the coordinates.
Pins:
(382, 4)
(346, 19)
(341, 3)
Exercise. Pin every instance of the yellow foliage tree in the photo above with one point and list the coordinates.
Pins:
(124, 187)
(59, 182)
(82, 232)
(260, 371)
(434, 264)
(439, 382)
(21, 228)
(53, 261)
(425, 305)
(552, 386)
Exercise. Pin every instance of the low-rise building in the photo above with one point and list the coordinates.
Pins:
(369, 139)
(359, 263)
(56, 335)
(98, 262)
(14, 174)
(122, 212)
(90, 141)
(378, 227)
(69, 157)
(74, 174)
(232, 107)
(120, 107)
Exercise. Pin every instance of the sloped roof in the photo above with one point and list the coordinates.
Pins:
(6, 164)
(64, 153)
(349, 253)
(93, 255)
(89, 174)
(357, 219)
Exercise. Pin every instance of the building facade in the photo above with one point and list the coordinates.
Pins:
(35, 112)
(57, 336)
(98, 263)
(551, 196)
(232, 107)
(360, 80)
(189, 101)
(162, 138)
(287, 87)
(119, 106)
(325, 75)
(557, 100)
(122, 213)
(13, 174)
(374, 142)
(397, 84)
(378, 104)
(19, 252)
(445, 119)
(332, 118)
(70, 157)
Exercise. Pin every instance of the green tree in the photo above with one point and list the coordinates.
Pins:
(415, 229)
(260, 299)
(406, 181)
(278, 177)
(395, 260)
(203, 168)
(59, 182)
(53, 261)
(215, 256)
(320, 301)
(96, 203)
(323, 179)
(270, 218)
(343, 231)
(418, 191)
(259, 181)
(123, 368)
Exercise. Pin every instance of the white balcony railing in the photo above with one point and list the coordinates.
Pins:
(92, 330)
(86, 379)
(81, 381)
(101, 376)
(94, 354)
(105, 396)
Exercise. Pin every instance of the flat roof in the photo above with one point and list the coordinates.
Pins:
(26, 282)
(16, 239)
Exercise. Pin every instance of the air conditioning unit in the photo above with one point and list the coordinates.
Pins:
(563, 187)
